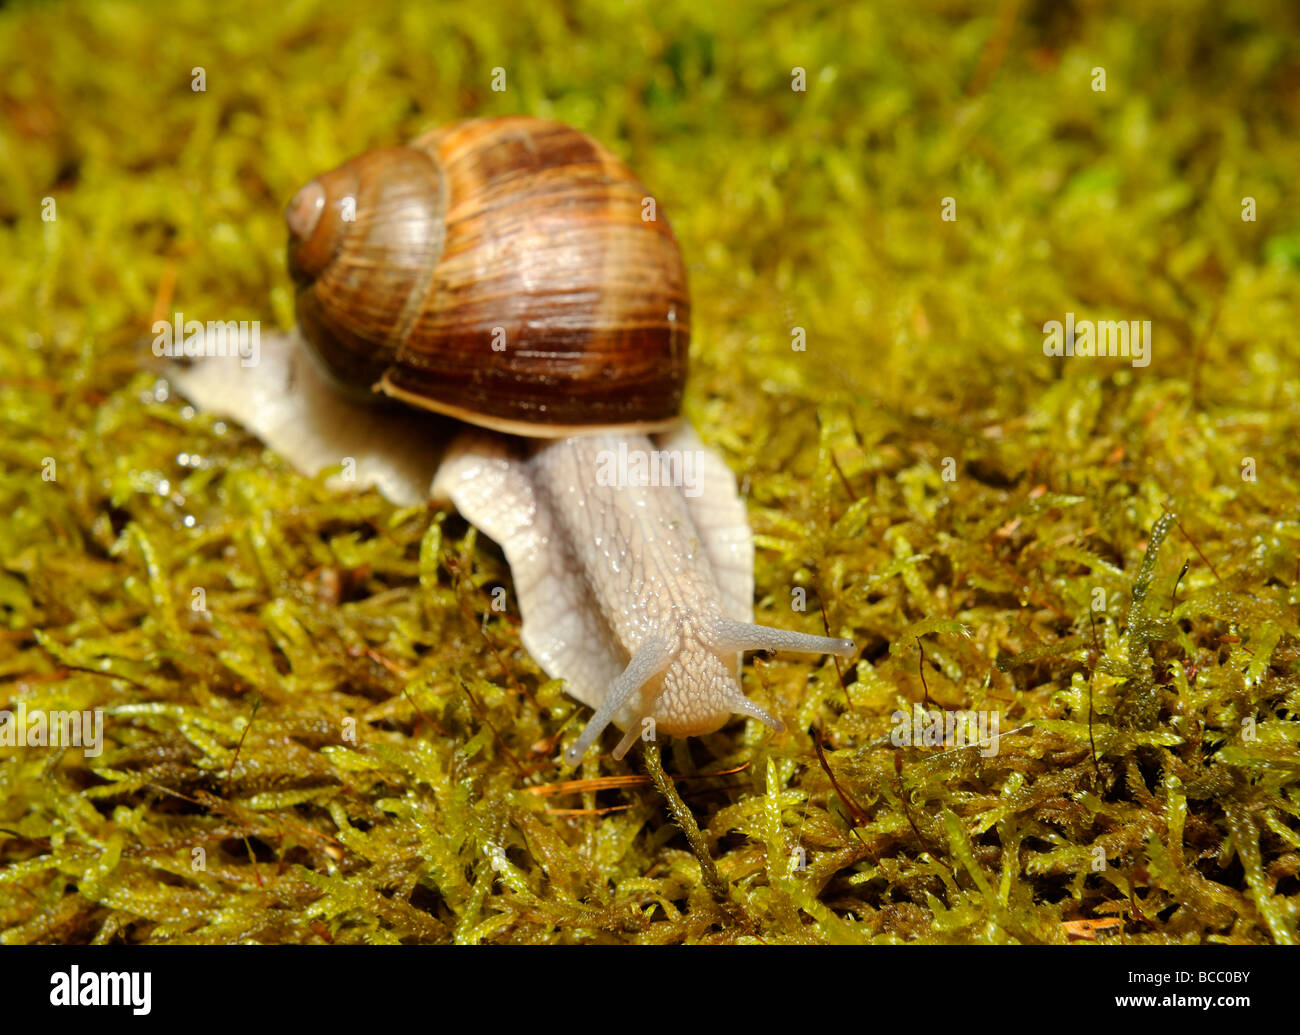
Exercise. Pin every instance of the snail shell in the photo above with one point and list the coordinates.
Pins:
(499, 271)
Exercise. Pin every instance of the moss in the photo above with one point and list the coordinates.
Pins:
(316, 727)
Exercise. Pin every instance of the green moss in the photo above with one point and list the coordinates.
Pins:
(316, 727)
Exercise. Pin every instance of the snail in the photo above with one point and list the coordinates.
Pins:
(503, 272)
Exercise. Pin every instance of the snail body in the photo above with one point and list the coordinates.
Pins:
(637, 592)
(639, 596)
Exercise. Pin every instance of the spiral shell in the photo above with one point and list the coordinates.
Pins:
(510, 272)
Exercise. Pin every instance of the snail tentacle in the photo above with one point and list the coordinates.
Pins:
(651, 658)
(742, 705)
(727, 634)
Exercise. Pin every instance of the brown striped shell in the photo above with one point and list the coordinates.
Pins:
(497, 270)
